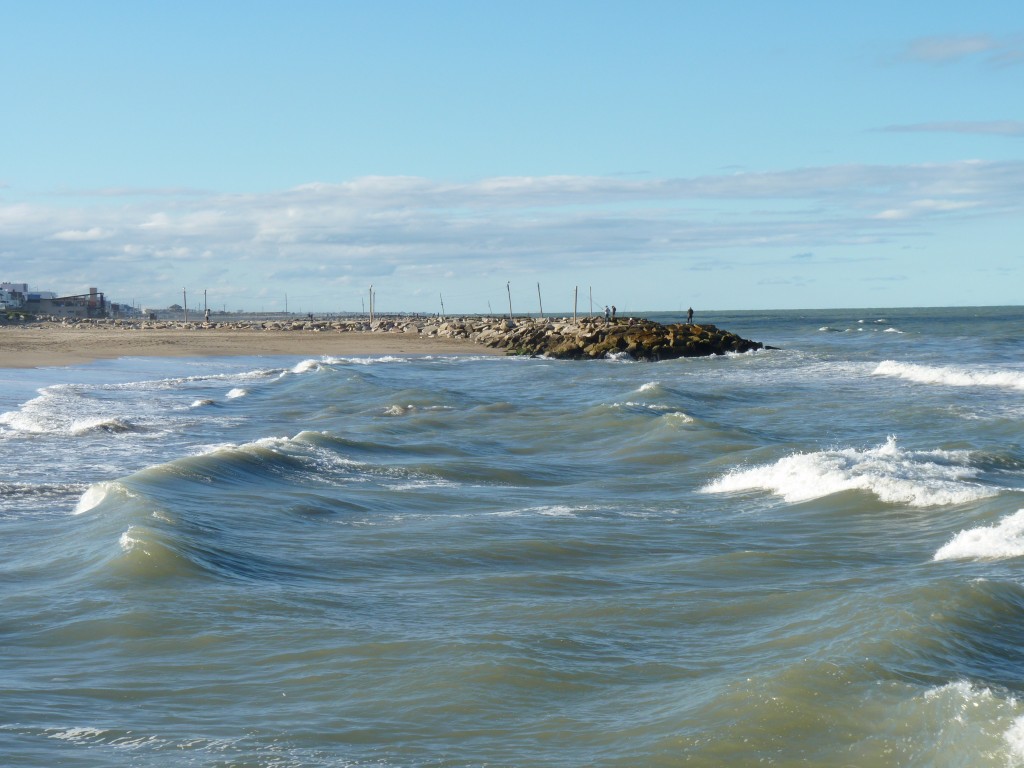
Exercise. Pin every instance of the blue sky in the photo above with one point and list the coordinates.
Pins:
(724, 155)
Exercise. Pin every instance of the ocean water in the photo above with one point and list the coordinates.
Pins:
(805, 556)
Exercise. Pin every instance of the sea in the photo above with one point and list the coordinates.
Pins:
(811, 555)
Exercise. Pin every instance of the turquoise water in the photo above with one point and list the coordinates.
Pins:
(804, 556)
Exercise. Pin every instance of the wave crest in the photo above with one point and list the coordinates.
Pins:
(950, 376)
(895, 476)
(1003, 540)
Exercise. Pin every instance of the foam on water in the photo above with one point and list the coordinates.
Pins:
(895, 476)
(364, 360)
(1003, 540)
(236, 392)
(950, 376)
(306, 366)
(519, 569)
(96, 494)
(101, 424)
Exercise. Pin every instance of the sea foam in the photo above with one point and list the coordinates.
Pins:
(894, 475)
(950, 376)
(1003, 540)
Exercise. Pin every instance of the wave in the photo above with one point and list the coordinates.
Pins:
(306, 366)
(207, 515)
(112, 426)
(80, 410)
(364, 360)
(666, 411)
(894, 475)
(404, 410)
(950, 376)
(1001, 541)
(98, 493)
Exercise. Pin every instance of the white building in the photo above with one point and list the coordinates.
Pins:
(10, 299)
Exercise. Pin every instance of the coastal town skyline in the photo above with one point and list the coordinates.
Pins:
(659, 155)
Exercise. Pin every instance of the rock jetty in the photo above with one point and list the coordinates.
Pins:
(590, 339)
(564, 338)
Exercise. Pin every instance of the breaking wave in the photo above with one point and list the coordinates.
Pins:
(894, 475)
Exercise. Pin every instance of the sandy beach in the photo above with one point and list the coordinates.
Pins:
(57, 345)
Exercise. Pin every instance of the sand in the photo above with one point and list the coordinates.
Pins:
(56, 345)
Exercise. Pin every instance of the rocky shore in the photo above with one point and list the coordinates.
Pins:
(563, 338)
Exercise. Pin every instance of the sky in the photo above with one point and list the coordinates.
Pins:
(720, 154)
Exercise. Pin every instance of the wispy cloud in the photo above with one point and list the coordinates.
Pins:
(81, 236)
(329, 235)
(986, 127)
(945, 50)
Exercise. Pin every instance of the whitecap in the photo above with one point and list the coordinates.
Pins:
(1003, 540)
(364, 360)
(129, 540)
(305, 366)
(237, 392)
(93, 497)
(680, 417)
(949, 375)
(1014, 738)
(895, 476)
(100, 424)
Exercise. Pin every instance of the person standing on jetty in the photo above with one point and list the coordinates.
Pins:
(613, 313)
(607, 315)
(689, 316)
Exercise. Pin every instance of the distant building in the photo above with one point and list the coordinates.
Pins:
(10, 299)
(91, 304)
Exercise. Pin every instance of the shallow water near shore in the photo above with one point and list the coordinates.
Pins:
(802, 556)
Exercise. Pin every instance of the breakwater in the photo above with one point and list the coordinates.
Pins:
(564, 338)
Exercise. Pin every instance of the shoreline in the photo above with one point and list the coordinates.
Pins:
(55, 345)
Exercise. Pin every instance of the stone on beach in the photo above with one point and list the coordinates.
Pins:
(563, 338)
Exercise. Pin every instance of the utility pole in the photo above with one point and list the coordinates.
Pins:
(204, 300)
(371, 302)
(575, 299)
(540, 301)
(508, 287)
(184, 300)
(442, 305)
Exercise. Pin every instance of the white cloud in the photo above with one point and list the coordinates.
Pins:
(989, 127)
(382, 226)
(948, 49)
(81, 236)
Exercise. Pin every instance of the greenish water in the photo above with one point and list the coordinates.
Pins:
(808, 556)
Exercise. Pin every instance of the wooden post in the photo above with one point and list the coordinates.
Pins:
(575, 299)
(371, 304)
(508, 287)
(540, 301)
(184, 300)
(442, 305)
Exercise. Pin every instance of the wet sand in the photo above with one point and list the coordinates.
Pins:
(56, 345)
